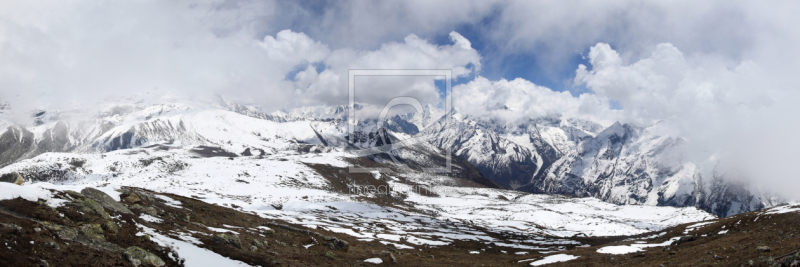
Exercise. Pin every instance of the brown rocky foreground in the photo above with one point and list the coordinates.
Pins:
(91, 229)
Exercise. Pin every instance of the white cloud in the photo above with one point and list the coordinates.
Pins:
(745, 116)
(520, 99)
(65, 54)
(414, 53)
(293, 48)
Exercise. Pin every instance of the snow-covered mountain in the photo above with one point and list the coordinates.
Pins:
(282, 167)
(622, 163)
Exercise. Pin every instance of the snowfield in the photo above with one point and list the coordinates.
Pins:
(284, 186)
(282, 167)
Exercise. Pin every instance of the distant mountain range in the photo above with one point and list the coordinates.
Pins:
(621, 163)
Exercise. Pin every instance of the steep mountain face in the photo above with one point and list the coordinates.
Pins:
(512, 155)
(621, 164)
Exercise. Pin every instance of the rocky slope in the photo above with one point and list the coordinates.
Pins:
(129, 226)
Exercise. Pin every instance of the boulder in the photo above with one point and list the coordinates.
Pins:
(110, 227)
(230, 239)
(12, 177)
(261, 244)
(105, 200)
(145, 209)
(132, 198)
(74, 194)
(89, 206)
(138, 256)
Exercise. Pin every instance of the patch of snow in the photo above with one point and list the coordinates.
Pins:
(220, 230)
(783, 209)
(398, 246)
(169, 201)
(618, 250)
(374, 260)
(625, 249)
(554, 259)
(194, 255)
(151, 218)
(26, 191)
(696, 226)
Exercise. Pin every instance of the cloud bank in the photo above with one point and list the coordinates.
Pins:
(722, 74)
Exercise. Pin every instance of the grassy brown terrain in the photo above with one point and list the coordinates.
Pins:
(34, 234)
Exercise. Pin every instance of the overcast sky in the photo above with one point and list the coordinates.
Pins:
(724, 74)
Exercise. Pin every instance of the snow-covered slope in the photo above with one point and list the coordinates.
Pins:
(279, 166)
(409, 209)
(621, 164)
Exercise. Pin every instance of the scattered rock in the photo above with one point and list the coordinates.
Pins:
(91, 229)
(89, 206)
(330, 254)
(138, 256)
(52, 245)
(74, 194)
(394, 260)
(14, 228)
(280, 243)
(132, 198)
(89, 235)
(253, 248)
(762, 249)
(685, 239)
(340, 244)
(230, 239)
(260, 244)
(146, 210)
(12, 177)
(43, 263)
(105, 200)
(110, 227)
(268, 231)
